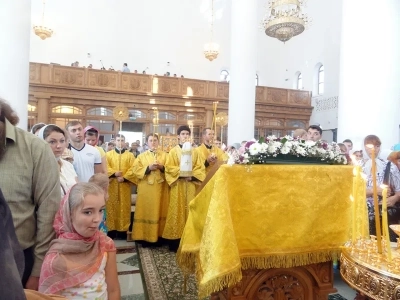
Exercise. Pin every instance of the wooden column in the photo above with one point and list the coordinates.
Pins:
(209, 117)
(43, 110)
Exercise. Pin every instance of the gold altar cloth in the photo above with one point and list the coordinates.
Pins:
(265, 216)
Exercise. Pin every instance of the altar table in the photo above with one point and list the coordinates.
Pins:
(253, 217)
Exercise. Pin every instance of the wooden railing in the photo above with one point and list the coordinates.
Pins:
(153, 85)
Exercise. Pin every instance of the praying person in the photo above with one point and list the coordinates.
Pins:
(81, 262)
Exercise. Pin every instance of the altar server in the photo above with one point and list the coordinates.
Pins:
(183, 170)
(153, 193)
(120, 171)
(208, 152)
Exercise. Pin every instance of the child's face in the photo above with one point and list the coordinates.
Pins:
(87, 217)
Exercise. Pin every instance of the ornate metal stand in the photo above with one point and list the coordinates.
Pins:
(311, 282)
(370, 273)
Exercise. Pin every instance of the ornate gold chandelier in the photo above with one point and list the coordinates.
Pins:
(42, 31)
(211, 49)
(286, 19)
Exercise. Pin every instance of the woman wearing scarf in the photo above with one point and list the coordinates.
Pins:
(81, 262)
(91, 135)
(392, 179)
(55, 137)
(153, 193)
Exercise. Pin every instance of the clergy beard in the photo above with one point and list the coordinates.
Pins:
(2, 139)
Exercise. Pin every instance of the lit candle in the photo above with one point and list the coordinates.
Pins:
(376, 204)
(385, 225)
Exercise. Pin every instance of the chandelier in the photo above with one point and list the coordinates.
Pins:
(211, 49)
(42, 31)
(285, 19)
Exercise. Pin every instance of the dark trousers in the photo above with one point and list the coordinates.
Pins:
(29, 259)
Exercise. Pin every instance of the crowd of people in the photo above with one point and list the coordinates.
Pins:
(68, 198)
(124, 69)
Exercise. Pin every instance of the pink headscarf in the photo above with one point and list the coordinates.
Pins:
(92, 128)
(72, 259)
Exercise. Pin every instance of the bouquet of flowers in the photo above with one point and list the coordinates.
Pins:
(288, 148)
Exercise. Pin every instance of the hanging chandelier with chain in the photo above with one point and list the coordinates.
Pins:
(42, 31)
(286, 19)
(211, 49)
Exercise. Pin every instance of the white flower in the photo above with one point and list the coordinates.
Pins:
(285, 149)
(301, 151)
(310, 143)
(231, 159)
(255, 148)
(263, 148)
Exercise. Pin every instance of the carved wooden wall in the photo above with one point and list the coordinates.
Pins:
(54, 85)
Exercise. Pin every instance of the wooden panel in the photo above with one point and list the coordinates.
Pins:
(136, 83)
(299, 97)
(65, 76)
(277, 96)
(194, 88)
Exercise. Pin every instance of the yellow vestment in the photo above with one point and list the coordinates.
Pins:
(204, 152)
(119, 203)
(152, 199)
(181, 192)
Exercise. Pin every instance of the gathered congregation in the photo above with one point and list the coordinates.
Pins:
(69, 198)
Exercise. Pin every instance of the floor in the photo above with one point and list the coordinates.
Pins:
(132, 285)
(128, 271)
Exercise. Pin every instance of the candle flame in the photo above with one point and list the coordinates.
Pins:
(383, 186)
(351, 198)
(371, 146)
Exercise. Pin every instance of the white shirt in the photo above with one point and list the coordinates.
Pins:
(67, 176)
(84, 161)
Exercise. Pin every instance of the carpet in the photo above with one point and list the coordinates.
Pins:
(163, 280)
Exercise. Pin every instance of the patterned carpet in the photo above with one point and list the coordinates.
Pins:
(164, 280)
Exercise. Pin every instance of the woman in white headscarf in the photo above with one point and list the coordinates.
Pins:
(386, 173)
(55, 137)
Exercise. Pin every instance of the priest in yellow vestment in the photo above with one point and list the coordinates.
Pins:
(120, 172)
(153, 193)
(183, 186)
(208, 152)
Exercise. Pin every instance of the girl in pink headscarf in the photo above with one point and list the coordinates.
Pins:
(81, 262)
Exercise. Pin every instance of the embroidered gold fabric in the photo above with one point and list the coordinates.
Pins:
(265, 216)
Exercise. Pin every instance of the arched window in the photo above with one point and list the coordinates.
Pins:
(189, 116)
(300, 81)
(321, 79)
(63, 109)
(256, 79)
(274, 122)
(31, 108)
(224, 76)
(296, 124)
(100, 111)
(136, 114)
(163, 115)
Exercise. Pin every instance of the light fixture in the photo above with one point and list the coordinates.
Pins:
(211, 49)
(42, 31)
(286, 19)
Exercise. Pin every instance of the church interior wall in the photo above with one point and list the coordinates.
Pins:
(149, 34)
